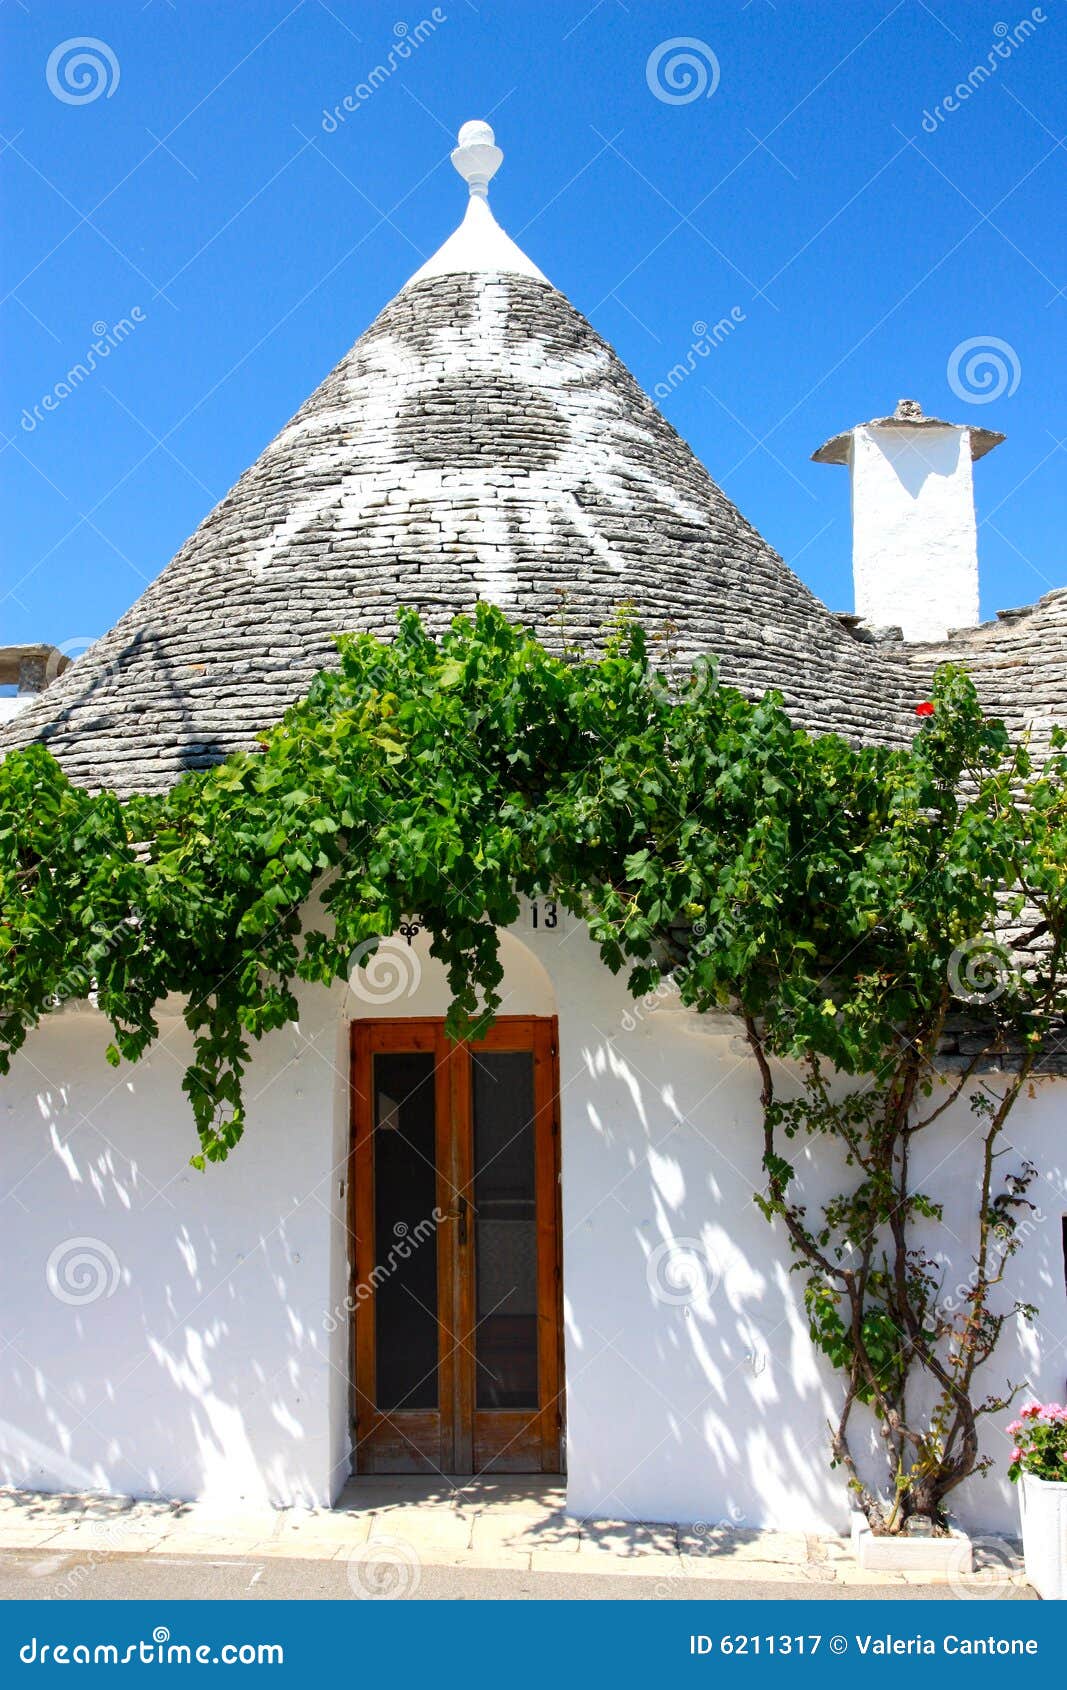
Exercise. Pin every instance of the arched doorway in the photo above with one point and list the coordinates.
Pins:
(454, 1248)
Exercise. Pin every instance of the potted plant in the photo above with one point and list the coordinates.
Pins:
(1039, 1460)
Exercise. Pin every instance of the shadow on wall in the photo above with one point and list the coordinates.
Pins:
(694, 1390)
(163, 1334)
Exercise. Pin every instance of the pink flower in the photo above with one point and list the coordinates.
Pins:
(1017, 1454)
(1016, 1426)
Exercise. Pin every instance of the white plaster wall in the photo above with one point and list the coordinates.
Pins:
(914, 541)
(192, 1337)
(202, 1368)
(714, 1406)
(218, 1366)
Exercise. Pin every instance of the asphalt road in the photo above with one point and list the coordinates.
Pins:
(34, 1574)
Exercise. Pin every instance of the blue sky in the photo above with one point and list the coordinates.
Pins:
(857, 246)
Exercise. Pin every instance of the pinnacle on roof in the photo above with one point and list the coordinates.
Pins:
(479, 244)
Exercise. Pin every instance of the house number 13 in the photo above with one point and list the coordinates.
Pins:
(544, 915)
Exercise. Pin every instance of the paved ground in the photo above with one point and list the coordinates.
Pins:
(35, 1575)
(467, 1539)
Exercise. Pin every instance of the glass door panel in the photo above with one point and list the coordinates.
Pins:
(454, 1249)
(405, 1194)
(505, 1229)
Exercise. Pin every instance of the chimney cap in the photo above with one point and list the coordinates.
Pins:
(908, 415)
(31, 667)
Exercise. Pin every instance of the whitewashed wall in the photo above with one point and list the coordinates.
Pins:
(914, 540)
(211, 1365)
(179, 1349)
(715, 1406)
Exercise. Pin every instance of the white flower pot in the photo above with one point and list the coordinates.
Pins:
(1043, 1505)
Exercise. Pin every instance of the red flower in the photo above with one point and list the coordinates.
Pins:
(924, 709)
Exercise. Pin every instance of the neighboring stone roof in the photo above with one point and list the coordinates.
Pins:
(480, 440)
(1018, 663)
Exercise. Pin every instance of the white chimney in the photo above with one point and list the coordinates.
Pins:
(914, 538)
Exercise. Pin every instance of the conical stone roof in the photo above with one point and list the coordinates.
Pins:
(480, 440)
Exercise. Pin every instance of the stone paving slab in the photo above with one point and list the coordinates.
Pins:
(482, 1524)
(626, 1538)
(291, 1547)
(433, 1530)
(744, 1545)
(549, 1531)
(334, 1534)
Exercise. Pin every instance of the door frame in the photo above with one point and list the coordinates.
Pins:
(457, 1436)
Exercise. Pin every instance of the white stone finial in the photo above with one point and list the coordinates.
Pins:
(477, 158)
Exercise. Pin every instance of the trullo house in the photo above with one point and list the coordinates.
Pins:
(212, 1335)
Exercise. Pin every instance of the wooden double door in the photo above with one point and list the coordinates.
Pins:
(455, 1249)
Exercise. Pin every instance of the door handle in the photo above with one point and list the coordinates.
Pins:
(459, 1212)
